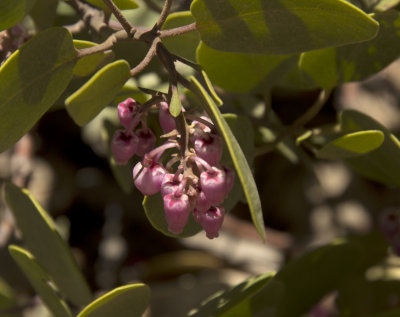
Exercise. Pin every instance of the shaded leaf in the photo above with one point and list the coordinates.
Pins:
(357, 61)
(88, 64)
(43, 13)
(121, 4)
(303, 282)
(382, 164)
(87, 102)
(242, 168)
(125, 301)
(280, 26)
(28, 89)
(183, 45)
(351, 145)
(225, 301)
(11, 12)
(43, 240)
(8, 300)
(154, 209)
(239, 72)
(40, 281)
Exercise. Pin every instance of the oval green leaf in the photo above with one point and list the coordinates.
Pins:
(238, 158)
(88, 64)
(280, 26)
(224, 301)
(11, 12)
(352, 145)
(382, 164)
(44, 13)
(31, 80)
(40, 281)
(357, 61)
(43, 240)
(239, 72)
(175, 106)
(121, 4)
(154, 209)
(125, 301)
(87, 102)
(183, 45)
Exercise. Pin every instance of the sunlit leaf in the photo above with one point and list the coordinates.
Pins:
(223, 301)
(242, 168)
(175, 106)
(87, 102)
(31, 80)
(43, 240)
(280, 26)
(125, 301)
(88, 64)
(40, 281)
(382, 164)
(11, 12)
(352, 144)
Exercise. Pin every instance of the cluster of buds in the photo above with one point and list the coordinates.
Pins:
(192, 179)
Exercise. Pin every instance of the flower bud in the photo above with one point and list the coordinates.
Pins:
(126, 110)
(169, 184)
(230, 179)
(147, 140)
(213, 184)
(211, 220)
(123, 146)
(167, 121)
(148, 182)
(209, 149)
(202, 203)
(177, 211)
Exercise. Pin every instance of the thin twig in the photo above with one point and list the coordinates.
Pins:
(164, 14)
(178, 30)
(129, 29)
(301, 121)
(106, 45)
(147, 59)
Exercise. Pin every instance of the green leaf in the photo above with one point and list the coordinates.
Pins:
(8, 300)
(43, 13)
(382, 164)
(211, 90)
(87, 102)
(303, 282)
(11, 12)
(384, 5)
(40, 281)
(351, 145)
(225, 301)
(175, 106)
(121, 4)
(31, 80)
(239, 72)
(125, 301)
(183, 45)
(239, 160)
(357, 61)
(280, 26)
(43, 240)
(154, 209)
(88, 64)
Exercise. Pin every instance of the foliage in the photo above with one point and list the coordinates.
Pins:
(221, 55)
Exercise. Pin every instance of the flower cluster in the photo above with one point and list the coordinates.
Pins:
(192, 179)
